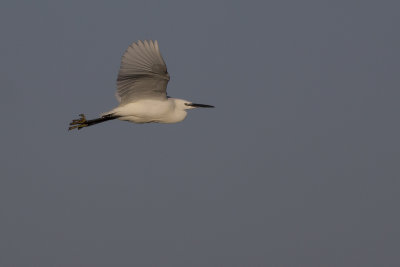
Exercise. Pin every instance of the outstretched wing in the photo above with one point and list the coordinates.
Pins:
(143, 73)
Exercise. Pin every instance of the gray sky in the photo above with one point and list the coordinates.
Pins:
(297, 166)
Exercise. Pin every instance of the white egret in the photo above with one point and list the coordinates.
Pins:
(141, 90)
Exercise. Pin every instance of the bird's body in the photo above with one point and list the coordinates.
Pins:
(169, 110)
(141, 90)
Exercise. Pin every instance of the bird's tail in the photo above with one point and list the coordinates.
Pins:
(82, 122)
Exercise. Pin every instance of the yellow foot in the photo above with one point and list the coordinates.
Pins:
(79, 123)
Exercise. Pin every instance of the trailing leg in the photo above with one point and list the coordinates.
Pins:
(82, 122)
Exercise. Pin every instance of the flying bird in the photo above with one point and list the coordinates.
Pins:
(142, 90)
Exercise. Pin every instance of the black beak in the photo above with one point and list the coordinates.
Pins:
(198, 105)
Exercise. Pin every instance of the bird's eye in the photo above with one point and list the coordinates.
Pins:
(187, 104)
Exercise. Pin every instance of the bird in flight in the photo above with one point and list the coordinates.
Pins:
(142, 90)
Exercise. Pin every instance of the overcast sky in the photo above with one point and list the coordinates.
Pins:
(298, 164)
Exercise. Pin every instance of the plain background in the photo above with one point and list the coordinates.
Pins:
(298, 164)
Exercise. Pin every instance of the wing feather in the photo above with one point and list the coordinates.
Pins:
(143, 73)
